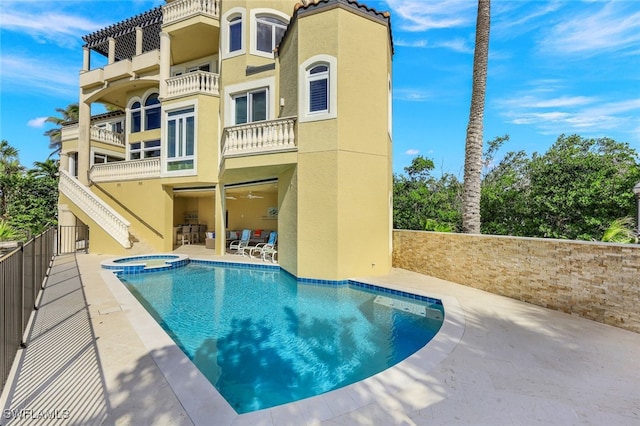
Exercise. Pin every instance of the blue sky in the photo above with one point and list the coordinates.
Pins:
(566, 66)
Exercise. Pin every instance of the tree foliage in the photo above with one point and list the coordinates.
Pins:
(28, 201)
(33, 203)
(68, 114)
(423, 202)
(579, 189)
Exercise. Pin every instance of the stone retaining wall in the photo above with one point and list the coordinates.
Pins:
(598, 281)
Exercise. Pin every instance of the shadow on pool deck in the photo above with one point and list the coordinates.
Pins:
(515, 364)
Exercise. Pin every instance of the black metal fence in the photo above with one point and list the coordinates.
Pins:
(22, 276)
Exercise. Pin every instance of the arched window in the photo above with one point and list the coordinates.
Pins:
(318, 88)
(232, 35)
(269, 32)
(235, 33)
(136, 114)
(318, 78)
(152, 112)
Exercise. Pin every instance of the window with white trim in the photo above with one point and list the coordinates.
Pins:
(146, 149)
(152, 112)
(235, 33)
(136, 116)
(101, 158)
(318, 78)
(181, 139)
(317, 88)
(269, 32)
(251, 106)
(233, 29)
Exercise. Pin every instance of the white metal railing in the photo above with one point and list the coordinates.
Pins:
(266, 136)
(105, 216)
(107, 136)
(181, 9)
(149, 168)
(192, 83)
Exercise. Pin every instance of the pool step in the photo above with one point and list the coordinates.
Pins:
(412, 308)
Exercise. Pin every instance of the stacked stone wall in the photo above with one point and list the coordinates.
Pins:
(598, 281)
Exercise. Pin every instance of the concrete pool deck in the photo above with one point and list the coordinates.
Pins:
(97, 360)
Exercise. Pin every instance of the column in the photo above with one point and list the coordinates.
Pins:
(220, 225)
(84, 141)
(112, 50)
(86, 59)
(165, 63)
(139, 36)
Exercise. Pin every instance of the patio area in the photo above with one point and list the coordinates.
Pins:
(93, 357)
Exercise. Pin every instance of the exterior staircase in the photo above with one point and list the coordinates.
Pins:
(102, 214)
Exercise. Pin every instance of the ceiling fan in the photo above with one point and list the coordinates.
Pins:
(252, 196)
(230, 197)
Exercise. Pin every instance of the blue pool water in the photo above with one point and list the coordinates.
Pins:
(264, 339)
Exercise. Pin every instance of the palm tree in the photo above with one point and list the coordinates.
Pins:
(9, 167)
(46, 168)
(68, 115)
(473, 147)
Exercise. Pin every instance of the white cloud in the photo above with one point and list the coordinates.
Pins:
(567, 114)
(421, 15)
(39, 76)
(412, 152)
(458, 45)
(513, 18)
(611, 28)
(46, 25)
(414, 43)
(37, 122)
(411, 95)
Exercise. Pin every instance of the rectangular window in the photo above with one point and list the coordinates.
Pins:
(264, 37)
(251, 106)
(152, 118)
(181, 139)
(135, 121)
(148, 149)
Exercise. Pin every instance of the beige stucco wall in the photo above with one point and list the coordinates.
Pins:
(149, 209)
(598, 281)
(343, 174)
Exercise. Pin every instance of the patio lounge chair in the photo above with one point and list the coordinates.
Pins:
(239, 245)
(262, 249)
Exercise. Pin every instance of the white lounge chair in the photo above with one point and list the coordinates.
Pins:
(239, 245)
(262, 249)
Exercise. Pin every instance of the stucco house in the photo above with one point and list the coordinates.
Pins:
(269, 115)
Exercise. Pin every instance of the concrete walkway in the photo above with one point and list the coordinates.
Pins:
(90, 360)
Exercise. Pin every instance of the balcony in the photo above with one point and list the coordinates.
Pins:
(99, 134)
(193, 83)
(260, 138)
(148, 168)
(183, 9)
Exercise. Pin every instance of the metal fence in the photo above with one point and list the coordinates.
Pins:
(22, 276)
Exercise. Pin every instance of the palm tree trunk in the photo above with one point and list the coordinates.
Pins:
(473, 147)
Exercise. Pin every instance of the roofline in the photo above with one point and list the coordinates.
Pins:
(308, 7)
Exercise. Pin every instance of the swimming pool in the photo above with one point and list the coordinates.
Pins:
(264, 339)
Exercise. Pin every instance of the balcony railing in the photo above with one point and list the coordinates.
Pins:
(106, 217)
(262, 137)
(107, 136)
(182, 9)
(149, 168)
(197, 82)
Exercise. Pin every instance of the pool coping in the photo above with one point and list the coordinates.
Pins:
(202, 401)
